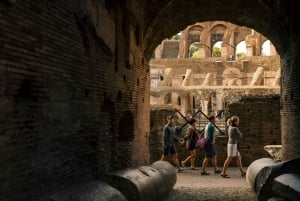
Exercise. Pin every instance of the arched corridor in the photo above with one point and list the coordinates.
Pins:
(72, 71)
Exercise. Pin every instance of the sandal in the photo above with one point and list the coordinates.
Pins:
(243, 174)
(225, 176)
(204, 173)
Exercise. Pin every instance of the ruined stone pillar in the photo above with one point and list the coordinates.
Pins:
(208, 79)
(251, 44)
(219, 101)
(202, 52)
(257, 76)
(205, 49)
(219, 73)
(187, 76)
(224, 51)
(232, 49)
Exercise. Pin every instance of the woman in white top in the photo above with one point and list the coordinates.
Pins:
(234, 135)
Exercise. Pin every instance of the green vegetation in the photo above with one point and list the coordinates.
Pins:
(176, 37)
(241, 54)
(194, 50)
(196, 55)
(216, 52)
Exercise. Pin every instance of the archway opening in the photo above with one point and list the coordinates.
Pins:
(241, 50)
(216, 50)
(234, 80)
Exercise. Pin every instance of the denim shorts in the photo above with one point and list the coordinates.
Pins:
(210, 151)
(167, 150)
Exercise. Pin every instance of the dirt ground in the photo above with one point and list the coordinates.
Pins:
(191, 186)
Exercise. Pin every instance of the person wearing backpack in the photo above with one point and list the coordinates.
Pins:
(191, 139)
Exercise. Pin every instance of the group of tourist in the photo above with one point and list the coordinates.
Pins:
(234, 135)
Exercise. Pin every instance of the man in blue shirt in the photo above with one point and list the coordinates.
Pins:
(169, 139)
(210, 151)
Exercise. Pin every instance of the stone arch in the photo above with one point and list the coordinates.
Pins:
(194, 33)
(237, 14)
(216, 33)
(240, 34)
(190, 35)
(268, 24)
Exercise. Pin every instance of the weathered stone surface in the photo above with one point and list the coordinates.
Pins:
(287, 186)
(262, 173)
(89, 191)
(144, 183)
(254, 168)
(275, 151)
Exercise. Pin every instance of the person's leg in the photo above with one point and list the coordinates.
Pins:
(239, 164)
(176, 161)
(226, 164)
(208, 155)
(215, 164)
(166, 151)
(186, 160)
(193, 158)
(175, 158)
(204, 164)
(214, 160)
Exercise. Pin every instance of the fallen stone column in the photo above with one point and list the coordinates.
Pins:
(287, 186)
(253, 170)
(144, 183)
(262, 172)
(168, 177)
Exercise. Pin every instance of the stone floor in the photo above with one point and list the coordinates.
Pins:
(191, 186)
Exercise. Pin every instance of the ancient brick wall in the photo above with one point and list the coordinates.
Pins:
(68, 102)
(259, 123)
